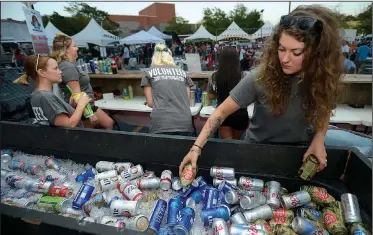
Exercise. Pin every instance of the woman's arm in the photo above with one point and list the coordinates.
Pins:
(63, 120)
(148, 96)
(75, 85)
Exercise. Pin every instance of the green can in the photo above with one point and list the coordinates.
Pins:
(283, 230)
(332, 222)
(309, 168)
(205, 99)
(55, 204)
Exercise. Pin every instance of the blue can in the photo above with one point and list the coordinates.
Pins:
(201, 181)
(185, 224)
(208, 215)
(166, 230)
(92, 66)
(157, 215)
(174, 209)
(83, 195)
(185, 192)
(199, 95)
(221, 199)
(15, 165)
(225, 187)
(87, 175)
(197, 196)
(211, 198)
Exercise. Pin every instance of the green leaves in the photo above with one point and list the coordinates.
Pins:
(180, 26)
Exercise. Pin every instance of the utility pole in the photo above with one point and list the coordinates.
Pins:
(289, 6)
(261, 28)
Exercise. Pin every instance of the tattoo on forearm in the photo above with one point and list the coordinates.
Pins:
(213, 125)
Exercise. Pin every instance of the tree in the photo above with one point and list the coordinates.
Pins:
(179, 25)
(250, 22)
(215, 20)
(365, 21)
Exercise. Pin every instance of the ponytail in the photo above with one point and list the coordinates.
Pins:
(23, 80)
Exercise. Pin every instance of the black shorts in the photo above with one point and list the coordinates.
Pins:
(238, 120)
(94, 109)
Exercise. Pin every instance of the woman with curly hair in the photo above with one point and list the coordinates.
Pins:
(294, 88)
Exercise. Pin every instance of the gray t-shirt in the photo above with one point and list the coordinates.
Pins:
(171, 105)
(70, 72)
(47, 107)
(290, 127)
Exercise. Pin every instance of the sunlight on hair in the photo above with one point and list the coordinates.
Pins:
(162, 56)
(22, 80)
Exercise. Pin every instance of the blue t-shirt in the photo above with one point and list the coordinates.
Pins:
(363, 52)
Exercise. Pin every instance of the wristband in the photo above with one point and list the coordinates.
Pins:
(198, 146)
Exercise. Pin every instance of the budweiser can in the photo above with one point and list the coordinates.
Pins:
(247, 202)
(261, 212)
(131, 192)
(219, 227)
(122, 166)
(61, 192)
(106, 174)
(108, 183)
(147, 183)
(351, 210)
(222, 172)
(238, 218)
(38, 186)
(176, 185)
(124, 208)
(55, 176)
(295, 199)
(136, 223)
(132, 173)
(216, 182)
(102, 166)
(251, 183)
(166, 177)
(273, 195)
(231, 197)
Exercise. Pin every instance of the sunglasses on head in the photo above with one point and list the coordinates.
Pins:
(303, 23)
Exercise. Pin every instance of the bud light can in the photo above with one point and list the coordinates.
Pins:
(87, 175)
(225, 187)
(201, 181)
(211, 198)
(184, 225)
(207, 215)
(192, 187)
(83, 195)
(157, 215)
(174, 209)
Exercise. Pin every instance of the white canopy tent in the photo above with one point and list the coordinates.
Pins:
(201, 33)
(141, 37)
(51, 31)
(93, 33)
(154, 31)
(233, 31)
(265, 31)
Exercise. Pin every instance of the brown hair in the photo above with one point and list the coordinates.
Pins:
(321, 69)
(60, 44)
(30, 68)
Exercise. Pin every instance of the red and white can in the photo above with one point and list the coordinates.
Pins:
(108, 184)
(55, 176)
(124, 208)
(56, 191)
(106, 174)
(166, 180)
(102, 166)
(136, 223)
(222, 172)
(131, 192)
(251, 183)
(122, 166)
(147, 183)
(132, 173)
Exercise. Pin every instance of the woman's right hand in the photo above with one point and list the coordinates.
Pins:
(83, 100)
(192, 158)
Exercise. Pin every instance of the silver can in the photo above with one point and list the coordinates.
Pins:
(131, 192)
(38, 186)
(220, 227)
(222, 172)
(238, 218)
(136, 223)
(106, 174)
(124, 208)
(261, 212)
(351, 209)
(122, 166)
(132, 173)
(303, 226)
(15, 180)
(296, 199)
(216, 182)
(6, 156)
(108, 183)
(147, 183)
(176, 185)
(231, 197)
(166, 180)
(102, 166)
(111, 195)
(251, 183)
(55, 176)
(248, 203)
(244, 192)
(273, 195)
(244, 229)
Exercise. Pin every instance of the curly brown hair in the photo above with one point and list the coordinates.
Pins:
(60, 44)
(321, 71)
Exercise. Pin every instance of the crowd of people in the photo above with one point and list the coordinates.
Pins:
(356, 56)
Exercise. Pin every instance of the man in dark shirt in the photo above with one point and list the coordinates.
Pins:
(245, 62)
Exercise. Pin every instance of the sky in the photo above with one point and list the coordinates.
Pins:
(192, 11)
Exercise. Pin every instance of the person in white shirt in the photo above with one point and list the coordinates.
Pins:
(126, 55)
(345, 48)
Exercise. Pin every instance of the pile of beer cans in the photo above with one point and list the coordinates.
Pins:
(228, 206)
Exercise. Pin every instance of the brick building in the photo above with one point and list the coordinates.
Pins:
(157, 14)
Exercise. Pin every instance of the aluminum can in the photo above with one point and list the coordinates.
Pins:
(6, 191)
(351, 209)
(222, 172)
(207, 215)
(38, 186)
(308, 168)
(102, 166)
(197, 196)
(261, 212)
(311, 205)
(55, 176)
(166, 230)
(21, 202)
(23, 193)
(310, 214)
(238, 218)
(303, 226)
(248, 203)
(185, 192)
(124, 208)
(31, 168)
(87, 175)
(6, 156)
(211, 198)
(149, 174)
(157, 216)
(166, 180)
(201, 181)
(225, 187)
(122, 166)
(16, 181)
(359, 228)
(97, 200)
(192, 98)
(4, 172)
(112, 195)
(265, 225)
(108, 183)
(231, 197)
(132, 173)
(83, 195)
(251, 183)
(56, 204)
(244, 192)
(106, 175)
(333, 223)
(176, 185)
(56, 191)
(131, 192)
(281, 229)
(136, 223)
(174, 210)
(273, 196)
(295, 199)
(96, 66)
(216, 182)
(187, 175)
(220, 227)
(15, 165)
(244, 229)
(319, 195)
(184, 225)
(280, 220)
(52, 163)
(281, 212)
(147, 183)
